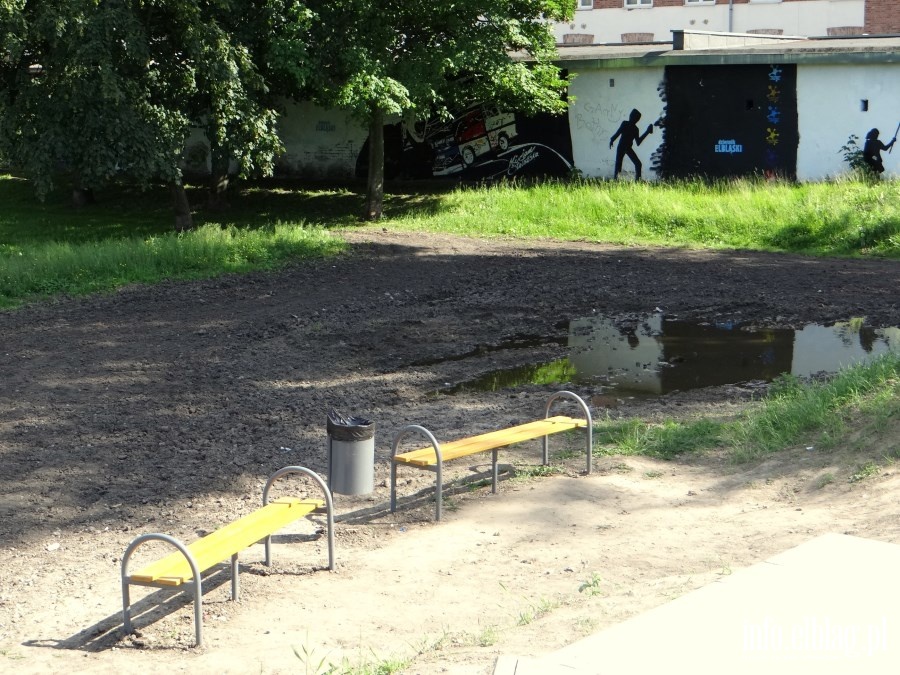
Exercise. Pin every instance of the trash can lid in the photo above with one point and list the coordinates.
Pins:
(336, 419)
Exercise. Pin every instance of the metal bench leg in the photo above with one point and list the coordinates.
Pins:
(494, 455)
(198, 611)
(126, 606)
(235, 579)
(393, 486)
(439, 489)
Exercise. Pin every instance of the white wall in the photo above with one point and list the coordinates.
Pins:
(599, 109)
(320, 143)
(810, 17)
(829, 109)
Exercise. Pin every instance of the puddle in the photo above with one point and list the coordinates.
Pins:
(516, 342)
(655, 355)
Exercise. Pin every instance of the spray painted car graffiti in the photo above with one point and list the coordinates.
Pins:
(482, 130)
(456, 144)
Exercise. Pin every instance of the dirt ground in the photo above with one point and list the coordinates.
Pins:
(164, 409)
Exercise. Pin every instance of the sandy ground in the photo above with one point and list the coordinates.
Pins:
(164, 409)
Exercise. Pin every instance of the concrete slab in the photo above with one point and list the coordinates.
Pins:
(830, 605)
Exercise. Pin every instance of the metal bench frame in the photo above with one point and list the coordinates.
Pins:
(438, 467)
(195, 586)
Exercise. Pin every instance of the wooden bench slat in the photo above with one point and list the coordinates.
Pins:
(491, 440)
(174, 570)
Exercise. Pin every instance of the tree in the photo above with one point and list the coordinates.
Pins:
(411, 57)
(108, 89)
(74, 94)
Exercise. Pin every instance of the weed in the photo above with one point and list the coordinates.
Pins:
(488, 636)
(428, 644)
(725, 570)
(653, 474)
(533, 610)
(11, 655)
(853, 154)
(537, 471)
(864, 471)
(823, 480)
(536, 611)
(585, 625)
(525, 617)
(592, 585)
(312, 664)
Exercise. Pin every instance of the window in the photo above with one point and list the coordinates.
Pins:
(638, 3)
(699, 2)
(585, 4)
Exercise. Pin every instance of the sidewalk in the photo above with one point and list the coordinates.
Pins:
(830, 605)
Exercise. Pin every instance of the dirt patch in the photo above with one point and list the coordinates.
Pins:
(164, 409)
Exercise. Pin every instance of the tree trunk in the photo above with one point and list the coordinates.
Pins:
(218, 183)
(183, 219)
(81, 196)
(375, 191)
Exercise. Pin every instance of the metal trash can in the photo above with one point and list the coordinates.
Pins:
(351, 454)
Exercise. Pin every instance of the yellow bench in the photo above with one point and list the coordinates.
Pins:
(185, 566)
(432, 458)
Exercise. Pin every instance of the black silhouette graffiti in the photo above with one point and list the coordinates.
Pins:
(872, 150)
(628, 134)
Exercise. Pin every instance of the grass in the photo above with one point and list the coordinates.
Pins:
(50, 248)
(814, 413)
(839, 218)
(664, 440)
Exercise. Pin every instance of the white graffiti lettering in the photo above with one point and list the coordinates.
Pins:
(525, 157)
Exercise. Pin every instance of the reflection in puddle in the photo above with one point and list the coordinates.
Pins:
(657, 356)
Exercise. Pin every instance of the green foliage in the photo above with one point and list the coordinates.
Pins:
(111, 90)
(420, 59)
(592, 586)
(864, 471)
(853, 154)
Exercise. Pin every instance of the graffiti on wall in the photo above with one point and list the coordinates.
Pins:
(629, 135)
(730, 121)
(482, 142)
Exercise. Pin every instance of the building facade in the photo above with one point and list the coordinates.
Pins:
(704, 104)
(630, 21)
(725, 105)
